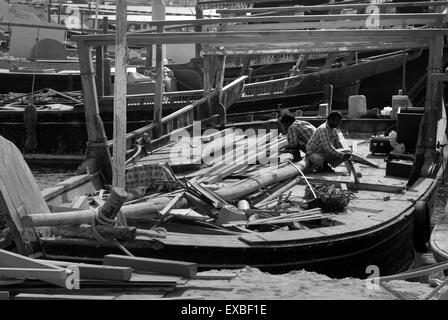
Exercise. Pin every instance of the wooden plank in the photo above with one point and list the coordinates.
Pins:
(285, 20)
(120, 87)
(14, 260)
(353, 39)
(97, 272)
(47, 275)
(332, 7)
(19, 196)
(42, 296)
(210, 275)
(181, 268)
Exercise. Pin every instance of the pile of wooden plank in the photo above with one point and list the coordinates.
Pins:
(120, 277)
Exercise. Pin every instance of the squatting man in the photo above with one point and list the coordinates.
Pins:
(322, 147)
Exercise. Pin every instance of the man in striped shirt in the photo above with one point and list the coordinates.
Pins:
(298, 133)
(321, 150)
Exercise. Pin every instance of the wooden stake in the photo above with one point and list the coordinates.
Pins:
(119, 147)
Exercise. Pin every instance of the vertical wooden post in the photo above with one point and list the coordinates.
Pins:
(97, 144)
(99, 65)
(82, 20)
(49, 10)
(403, 74)
(426, 142)
(328, 95)
(199, 15)
(59, 13)
(119, 151)
(107, 81)
(158, 13)
(148, 62)
(96, 14)
(99, 70)
(221, 66)
(209, 80)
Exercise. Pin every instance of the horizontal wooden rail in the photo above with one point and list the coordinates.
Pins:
(296, 37)
(46, 26)
(294, 18)
(326, 7)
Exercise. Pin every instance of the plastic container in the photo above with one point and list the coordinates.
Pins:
(399, 102)
(323, 110)
(386, 111)
(357, 106)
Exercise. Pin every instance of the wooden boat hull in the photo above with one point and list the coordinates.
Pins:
(389, 247)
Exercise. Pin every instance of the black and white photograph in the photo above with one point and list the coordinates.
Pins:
(223, 158)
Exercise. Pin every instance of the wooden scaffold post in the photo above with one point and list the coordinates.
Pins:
(158, 13)
(119, 148)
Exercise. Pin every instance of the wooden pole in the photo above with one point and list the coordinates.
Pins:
(403, 75)
(199, 15)
(59, 13)
(49, 11)
(96, 14)
(158, 13)
(119, 148)
(95, 129)
(426, 142)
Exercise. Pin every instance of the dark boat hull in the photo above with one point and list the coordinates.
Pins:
(389, 247)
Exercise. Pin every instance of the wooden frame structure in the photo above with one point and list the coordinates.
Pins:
(216, 46)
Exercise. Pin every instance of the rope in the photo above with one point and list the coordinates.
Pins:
(436, 290)
(158, 232)
(423, 271)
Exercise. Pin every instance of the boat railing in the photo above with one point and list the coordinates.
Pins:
(436, 6)
(203, 108)
(174, 98)
(269, 88)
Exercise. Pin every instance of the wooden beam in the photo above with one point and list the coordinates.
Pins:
(120, 89)
(49, 296)
(198, 28)
(97, 137)
(158, 97)
(22, 264)
(179, 268)
(97, 272)
(326, 7)
(220, 69)
(267, 37)
(268, 21)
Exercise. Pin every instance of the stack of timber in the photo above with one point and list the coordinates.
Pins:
(118, 278)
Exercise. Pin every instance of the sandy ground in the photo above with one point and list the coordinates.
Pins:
(252, 284)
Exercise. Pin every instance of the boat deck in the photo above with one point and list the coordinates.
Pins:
(384, 200)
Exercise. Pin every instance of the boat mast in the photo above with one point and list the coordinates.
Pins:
(119, 147)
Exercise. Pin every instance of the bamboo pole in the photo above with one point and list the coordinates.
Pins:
(119, 148)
